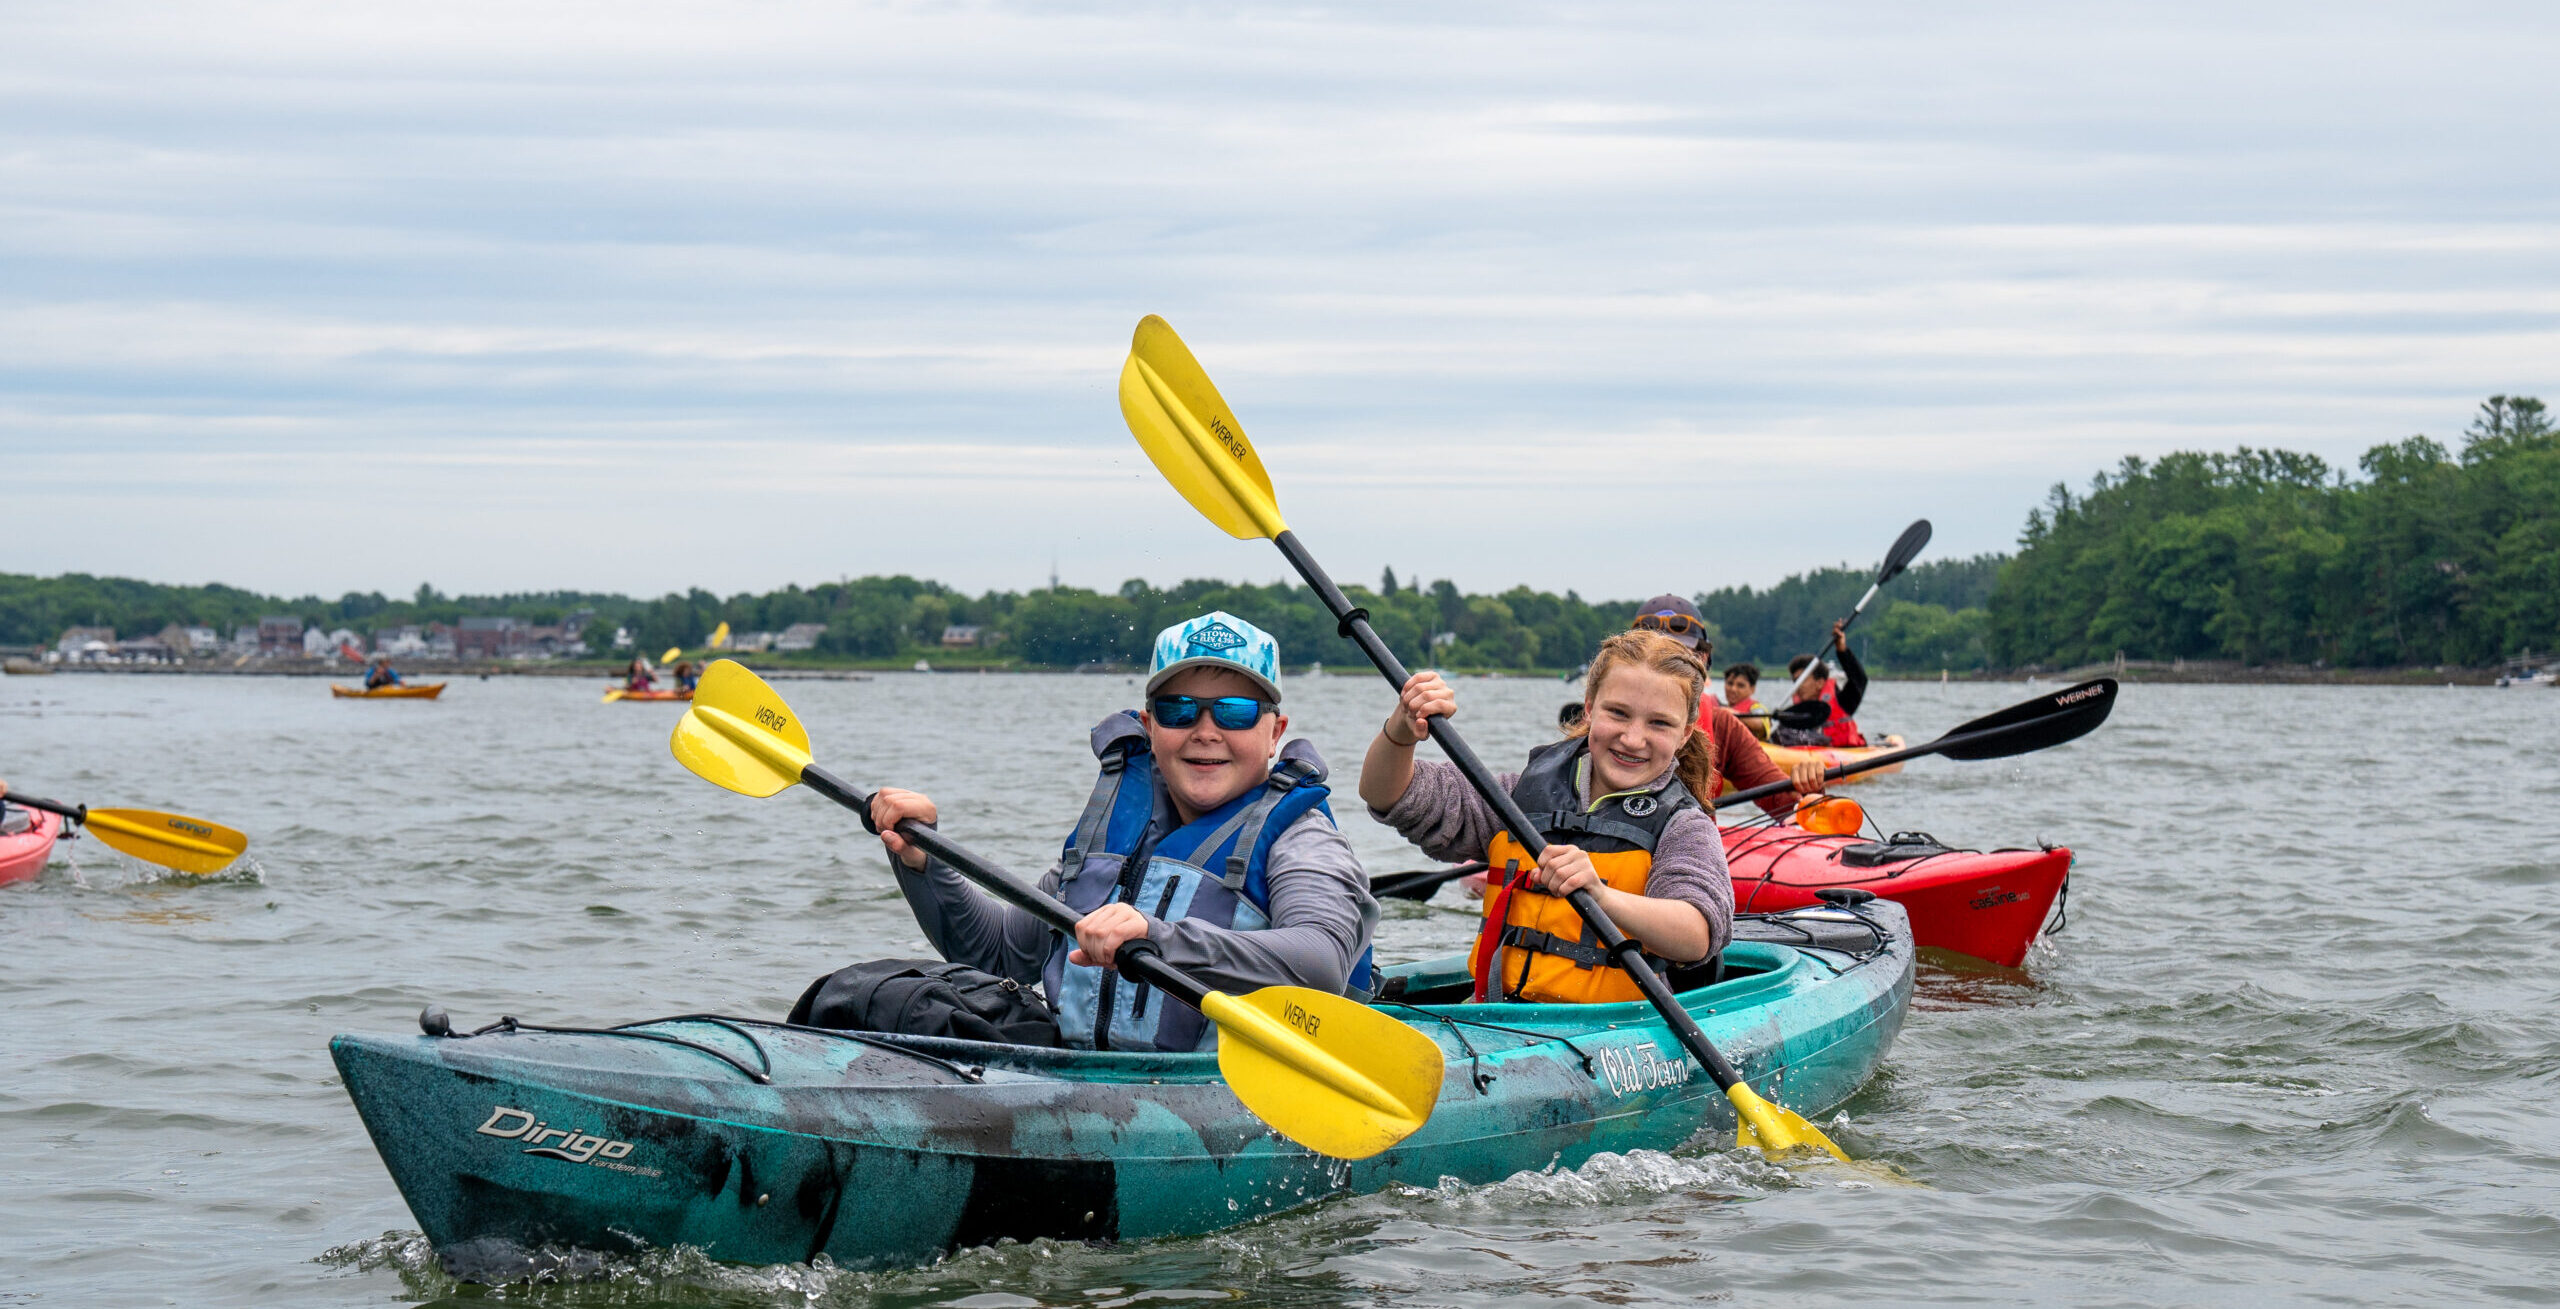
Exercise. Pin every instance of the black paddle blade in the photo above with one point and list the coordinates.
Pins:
(1421, 883)
(1914, 539)
(1803, 714)
(2047, 720)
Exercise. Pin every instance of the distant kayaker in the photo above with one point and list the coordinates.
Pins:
(1742, 688)
(1617, 799)
(687, 676)
(639, 676)
(1204, 836)
(380, 673)
(1843, 697)
(1737, 759)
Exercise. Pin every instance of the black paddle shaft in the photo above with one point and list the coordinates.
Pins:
(78, 813)
(2063, 716)
(1138, 960)
(1629, 955)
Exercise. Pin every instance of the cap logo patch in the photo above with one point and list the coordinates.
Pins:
(1216, 638)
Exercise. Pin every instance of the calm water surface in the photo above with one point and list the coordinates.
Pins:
(2301, 1038)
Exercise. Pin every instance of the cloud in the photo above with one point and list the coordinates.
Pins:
(645, 296)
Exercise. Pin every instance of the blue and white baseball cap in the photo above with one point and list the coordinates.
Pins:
(1222, 640)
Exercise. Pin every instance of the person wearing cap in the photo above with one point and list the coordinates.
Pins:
(1204, 835)
(1740, 763)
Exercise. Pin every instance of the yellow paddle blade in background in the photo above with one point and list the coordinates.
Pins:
(190, 845)
(719, 637)
(739, 734)
(1771, 1129)
(674, 652)
(613, 695)
(1184, 425)
(1328, 1072)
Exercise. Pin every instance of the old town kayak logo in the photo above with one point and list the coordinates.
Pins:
(1630, 1069)
(573, 1146)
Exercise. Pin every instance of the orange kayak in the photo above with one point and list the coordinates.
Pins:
(422, 691)
(655, 695)
(1788, 756)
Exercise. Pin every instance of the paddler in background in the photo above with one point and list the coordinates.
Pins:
(380, 673)
(687, 676)
(1737, 759)
(1617, 801)
(1741, 689)
(1204, 836)
(1843, 697)
(639, 676)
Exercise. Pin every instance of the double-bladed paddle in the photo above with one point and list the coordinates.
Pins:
(1326, 1071)
(1194, 439)
(2022, 728)
(189, 845)
(1906, 548)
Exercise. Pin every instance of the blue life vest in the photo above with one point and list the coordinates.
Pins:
(1212, 870)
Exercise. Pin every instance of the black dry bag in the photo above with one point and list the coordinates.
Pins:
(927, 997)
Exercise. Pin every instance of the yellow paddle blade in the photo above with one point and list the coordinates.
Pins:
(1185, 427)
(674, 652)
(1329, 1073)
(1770, 1129)
(613, 695)
(190, 845)
(719, 638)
(739, 734)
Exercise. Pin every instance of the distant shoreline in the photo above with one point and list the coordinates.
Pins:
(2190, 672)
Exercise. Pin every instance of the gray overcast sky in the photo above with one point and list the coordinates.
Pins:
(638, 296)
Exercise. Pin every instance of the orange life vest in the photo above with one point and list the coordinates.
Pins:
(1532, 946)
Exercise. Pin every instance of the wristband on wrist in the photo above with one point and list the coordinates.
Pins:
(1388, 731)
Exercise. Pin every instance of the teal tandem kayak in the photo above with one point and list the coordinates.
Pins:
(762, 1143)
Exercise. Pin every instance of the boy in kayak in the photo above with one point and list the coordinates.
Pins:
(687, 676)
(1736, 759)
(381, 674)
(1741, 689)
(1843, 698)
(1617, 801)
(1204, 835)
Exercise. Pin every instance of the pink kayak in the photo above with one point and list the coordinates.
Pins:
(23, 849)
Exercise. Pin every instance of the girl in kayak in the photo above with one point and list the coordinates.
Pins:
(639, 676)
(687, 676)
(1843, 698)
(1738, 762)
(1204, 837)
(1617, 802)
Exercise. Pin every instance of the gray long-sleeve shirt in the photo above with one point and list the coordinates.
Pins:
(1442, 814)
(1322, 920)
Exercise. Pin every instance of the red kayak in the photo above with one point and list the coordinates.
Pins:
(26, 841)
(1990, 904)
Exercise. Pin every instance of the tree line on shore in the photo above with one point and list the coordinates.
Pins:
(2258, 556)
(894, 619)
(2270, 556)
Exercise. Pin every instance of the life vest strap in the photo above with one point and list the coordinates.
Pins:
(1530, 938)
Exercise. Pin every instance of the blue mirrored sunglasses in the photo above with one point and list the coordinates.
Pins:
(1232, 712)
